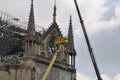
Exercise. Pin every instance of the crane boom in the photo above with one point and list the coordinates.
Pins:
(88, 42)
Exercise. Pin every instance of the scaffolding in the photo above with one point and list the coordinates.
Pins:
(12, 33)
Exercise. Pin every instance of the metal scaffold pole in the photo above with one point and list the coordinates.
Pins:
(88, 42)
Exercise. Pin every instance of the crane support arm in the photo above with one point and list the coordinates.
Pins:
(88, 42)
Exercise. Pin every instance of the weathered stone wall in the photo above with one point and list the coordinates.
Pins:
(55, 74)
(4, 75)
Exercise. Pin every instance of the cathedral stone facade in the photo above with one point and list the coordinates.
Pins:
(38, 50)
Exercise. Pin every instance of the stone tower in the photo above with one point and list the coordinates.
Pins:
(38, 50)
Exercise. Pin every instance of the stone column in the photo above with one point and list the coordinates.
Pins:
(29, 74)
(38, 49)
(19, 74)
(24, 74)
(34, 48)
(26, 47)
(12, 73)
(32, 74)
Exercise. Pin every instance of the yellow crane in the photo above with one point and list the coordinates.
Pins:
(60, 42)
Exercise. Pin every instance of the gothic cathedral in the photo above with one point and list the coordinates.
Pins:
(38, 50)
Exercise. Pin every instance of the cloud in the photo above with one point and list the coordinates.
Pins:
(117, 77)
(94, 16)
(81, 76)
(105, 77)
(113, 22)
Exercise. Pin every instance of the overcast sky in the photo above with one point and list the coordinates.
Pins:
(102, 21)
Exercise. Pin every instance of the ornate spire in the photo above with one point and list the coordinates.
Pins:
(54, 13)
(70, 38)
(31, 23)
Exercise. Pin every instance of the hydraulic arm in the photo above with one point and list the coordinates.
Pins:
(59, 42)
(88, 42)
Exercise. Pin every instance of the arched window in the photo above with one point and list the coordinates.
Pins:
(51, 46)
